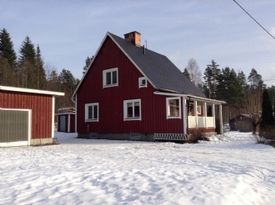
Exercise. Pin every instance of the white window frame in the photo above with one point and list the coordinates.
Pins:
(140, 85)
(104, 79)
(168, 108)
(87, 110)
(125, 102)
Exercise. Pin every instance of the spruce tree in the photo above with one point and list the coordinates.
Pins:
(7, 60)
(41, 75)
(211, 76)
(6, 48)
(27, 64)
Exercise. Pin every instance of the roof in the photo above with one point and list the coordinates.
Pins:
(33, 91)
(159, 70)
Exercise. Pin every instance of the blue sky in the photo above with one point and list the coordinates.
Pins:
(69, 31)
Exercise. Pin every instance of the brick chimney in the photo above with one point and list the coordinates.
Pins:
(134, 37)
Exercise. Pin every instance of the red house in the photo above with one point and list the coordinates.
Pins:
(131, 92)
(26, 116)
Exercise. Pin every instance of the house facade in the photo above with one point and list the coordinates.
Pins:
(26, 116)
(131, 92)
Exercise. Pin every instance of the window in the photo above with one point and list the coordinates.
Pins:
(92, 112)
(173, 108)
(199, 109)
(132, 109)
(110, 77)
(142, 82)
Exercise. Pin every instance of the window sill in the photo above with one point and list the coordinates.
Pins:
(132, 119)
(168, 118)
(110, 86)
(97, 120)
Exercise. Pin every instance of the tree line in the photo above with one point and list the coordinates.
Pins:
(243, 94)
(27, 70)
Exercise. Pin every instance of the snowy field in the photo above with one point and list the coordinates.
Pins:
(231, 170)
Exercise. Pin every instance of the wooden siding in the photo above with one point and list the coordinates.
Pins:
(153, 107)
(41, 106)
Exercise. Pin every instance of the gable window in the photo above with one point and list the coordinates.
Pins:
(132, 109)
(142, 82)
(110, 77)
(92, 112)
(173, 108)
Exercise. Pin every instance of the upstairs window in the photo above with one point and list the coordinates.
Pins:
(92, 112)
(132, 109)
(173, 108)
(142, 82)
(110, 77)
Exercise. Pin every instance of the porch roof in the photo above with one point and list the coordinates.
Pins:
(191, 97)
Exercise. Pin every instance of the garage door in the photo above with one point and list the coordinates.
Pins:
(14, 127)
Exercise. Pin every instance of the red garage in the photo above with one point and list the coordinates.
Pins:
(66, 119)
(26, 116)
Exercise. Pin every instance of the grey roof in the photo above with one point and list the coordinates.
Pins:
(158, 68)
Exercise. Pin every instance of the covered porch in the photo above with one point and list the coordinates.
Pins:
(200, 117)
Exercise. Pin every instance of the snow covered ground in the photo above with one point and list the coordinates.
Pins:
(231, 169)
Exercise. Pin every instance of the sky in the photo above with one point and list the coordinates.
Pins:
(69, 31)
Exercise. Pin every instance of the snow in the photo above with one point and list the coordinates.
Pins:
(229, 169)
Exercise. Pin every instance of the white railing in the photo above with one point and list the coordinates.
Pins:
(201, 122)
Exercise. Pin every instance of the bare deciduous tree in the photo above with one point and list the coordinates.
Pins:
(194, 71)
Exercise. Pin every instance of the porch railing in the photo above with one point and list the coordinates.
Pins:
(201, 122)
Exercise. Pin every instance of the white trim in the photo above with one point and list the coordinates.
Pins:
(101, 44)
(125, 118)
(87, 109)
(140, 85)
(75, 125)
(104, 73)
(53, 114)
(214, 114)
(168, 110)
(221, 119)
(69, 123)
(185, 117)
(65, 113)
(27, 90)
(190, 96)
(20, 143)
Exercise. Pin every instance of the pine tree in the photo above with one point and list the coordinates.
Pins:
(255, 79)
(27, 64)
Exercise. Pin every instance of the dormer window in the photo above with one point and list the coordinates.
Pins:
(142, 82)
(110, 77)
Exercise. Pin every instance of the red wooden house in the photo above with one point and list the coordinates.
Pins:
(131, 92)
(26, 116)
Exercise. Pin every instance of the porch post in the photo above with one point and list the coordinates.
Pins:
(196, 112)
(185, 116)
(221, 119)
(205, 114)
(214, 115)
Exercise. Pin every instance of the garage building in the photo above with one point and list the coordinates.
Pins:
(26, 116)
